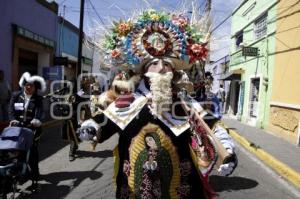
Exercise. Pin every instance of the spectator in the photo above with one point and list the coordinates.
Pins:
(221, 97)
(4, 97)
(26, 109)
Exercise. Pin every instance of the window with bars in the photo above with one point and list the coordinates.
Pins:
(260, 26)
(238, 40)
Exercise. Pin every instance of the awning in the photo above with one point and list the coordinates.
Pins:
(232, 75)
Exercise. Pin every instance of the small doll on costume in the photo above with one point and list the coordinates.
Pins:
(124, 85)
(121, 90)
(121, 93)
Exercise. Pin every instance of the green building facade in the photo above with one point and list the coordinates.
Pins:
(253, 25)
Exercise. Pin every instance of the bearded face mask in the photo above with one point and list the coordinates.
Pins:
(160, 88)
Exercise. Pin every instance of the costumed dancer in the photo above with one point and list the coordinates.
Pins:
(70, 125)
(26, 109)
(154, 156)
(210, 113)
(213, 118)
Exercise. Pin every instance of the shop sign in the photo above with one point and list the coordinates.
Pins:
(53, 73)
(250, 51)
(87, 61)
(34, 36)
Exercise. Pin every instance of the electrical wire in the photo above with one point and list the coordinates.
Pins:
(100, 18)
(220, 24)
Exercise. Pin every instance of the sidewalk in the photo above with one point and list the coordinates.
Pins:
(277, 153)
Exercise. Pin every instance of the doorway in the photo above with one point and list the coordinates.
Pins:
(254, 100)
(27, 62)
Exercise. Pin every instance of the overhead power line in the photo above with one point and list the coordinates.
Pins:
(62, 2)
(100, 18)
(215, 28)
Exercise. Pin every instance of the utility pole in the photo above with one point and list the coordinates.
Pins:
(208, 6)
(79, 57)
(208, 12)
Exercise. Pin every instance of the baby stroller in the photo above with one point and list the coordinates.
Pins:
(15, 144)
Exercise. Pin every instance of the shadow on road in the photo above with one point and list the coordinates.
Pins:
(51, 141)
(95, 154)
(221, 183)
(77, 176)
(55, 188)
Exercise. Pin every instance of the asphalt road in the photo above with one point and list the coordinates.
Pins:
(90, 175)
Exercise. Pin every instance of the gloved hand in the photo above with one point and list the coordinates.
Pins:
(36, 123)
(86, 133)
(14, 123)
(229, 164)
(226, 169)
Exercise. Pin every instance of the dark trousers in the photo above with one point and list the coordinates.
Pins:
(69, 134)
(34, 162)
(34, 156)
(73, 148)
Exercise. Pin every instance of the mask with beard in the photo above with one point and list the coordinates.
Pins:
(161, 90)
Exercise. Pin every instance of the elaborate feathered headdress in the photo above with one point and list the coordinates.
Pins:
(38, 81)
(153, 34)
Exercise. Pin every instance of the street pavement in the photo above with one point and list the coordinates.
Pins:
(90, 175)
(275, 152)
(277, 147)
(252, 179)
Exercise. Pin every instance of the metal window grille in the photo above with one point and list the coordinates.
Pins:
(260, 27)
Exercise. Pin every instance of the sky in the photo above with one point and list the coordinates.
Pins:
(102, 11)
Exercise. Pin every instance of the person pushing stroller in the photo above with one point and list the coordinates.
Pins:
(26, 110)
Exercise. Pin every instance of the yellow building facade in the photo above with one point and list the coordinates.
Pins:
(284, 117)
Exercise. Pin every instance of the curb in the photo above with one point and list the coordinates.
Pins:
(282, 169)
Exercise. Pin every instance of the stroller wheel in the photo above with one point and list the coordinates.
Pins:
(34, 186)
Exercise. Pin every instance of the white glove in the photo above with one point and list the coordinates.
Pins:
(230, 151)
(86, 133)
(13, 122)
(36, 123)
(226, 169)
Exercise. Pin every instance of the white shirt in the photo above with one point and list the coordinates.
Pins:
(26, 103)
(27, 100)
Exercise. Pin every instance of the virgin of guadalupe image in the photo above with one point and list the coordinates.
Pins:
(153, 160)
